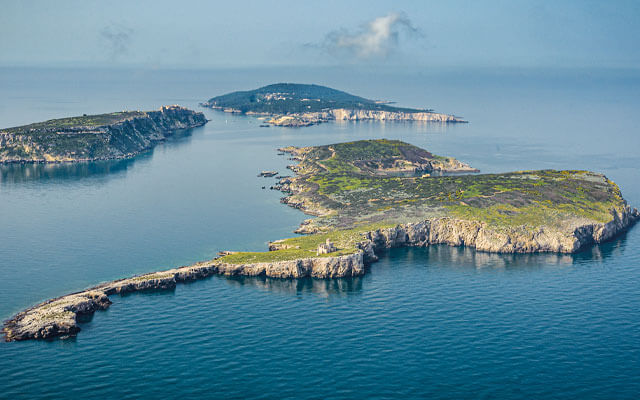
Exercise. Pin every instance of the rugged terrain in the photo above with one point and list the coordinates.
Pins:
(296, 105)
(375, 194)
(94, 137)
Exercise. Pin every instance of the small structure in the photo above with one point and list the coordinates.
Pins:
(325, 248)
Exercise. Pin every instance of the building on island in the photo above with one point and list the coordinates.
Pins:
(326, 247)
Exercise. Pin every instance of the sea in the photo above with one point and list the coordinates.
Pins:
(438, 322)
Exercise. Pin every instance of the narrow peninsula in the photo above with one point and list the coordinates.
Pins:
(94, 137)
(297, 105)
(371, 195)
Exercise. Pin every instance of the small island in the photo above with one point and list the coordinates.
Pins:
(371, 195)
(94, 137)
(297, 105)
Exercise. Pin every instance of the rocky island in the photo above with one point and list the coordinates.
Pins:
(297, 105)
(94, 137)
(375, 194)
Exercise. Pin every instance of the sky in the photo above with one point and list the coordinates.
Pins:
(240, 33)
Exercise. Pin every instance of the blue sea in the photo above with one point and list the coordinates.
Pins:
(438, 322)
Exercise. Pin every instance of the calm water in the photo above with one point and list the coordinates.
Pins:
(439, 322)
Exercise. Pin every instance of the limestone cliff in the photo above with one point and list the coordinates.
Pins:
(366, 207)
(297, 105)
(58, 317)
(94, 137)
(481, 236)
(343, 114)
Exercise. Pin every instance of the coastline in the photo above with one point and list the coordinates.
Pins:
(68, 140)
(58, 317)
(298, 120)
(356, 247)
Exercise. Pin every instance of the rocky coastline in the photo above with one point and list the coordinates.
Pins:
(299, 105)
(115, 136)
(298, 120)
(342, 114)
(342, 246)
(59, 317)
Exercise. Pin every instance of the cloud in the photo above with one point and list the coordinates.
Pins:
(117, 38)
(376, 39)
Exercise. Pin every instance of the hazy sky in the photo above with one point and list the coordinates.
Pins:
(202, 34)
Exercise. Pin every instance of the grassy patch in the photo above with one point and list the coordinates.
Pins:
(88, 121)
(305, 246)
(356, 180)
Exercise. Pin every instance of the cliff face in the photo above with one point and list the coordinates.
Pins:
(317, 267)
(484, 238)
(343, 114)
(357, 115)
(125, 137)
(58, 317)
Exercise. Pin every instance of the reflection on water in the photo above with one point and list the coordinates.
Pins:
(296, 287)
(441, 255)
(19, 173)
(468, 257)
(455, 322)
(65, 172)
(434, 127)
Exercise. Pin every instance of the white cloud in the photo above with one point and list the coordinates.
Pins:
(376, 39)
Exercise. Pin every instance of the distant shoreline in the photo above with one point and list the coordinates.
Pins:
(300, 105)
(91, 138)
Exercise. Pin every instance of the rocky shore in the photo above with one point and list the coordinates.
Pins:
(480, 236)
(363, 207)
(341, 114)
(94, 137)
(298, 105)
(59, 317)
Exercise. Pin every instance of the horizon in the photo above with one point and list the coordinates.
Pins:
(201, 35)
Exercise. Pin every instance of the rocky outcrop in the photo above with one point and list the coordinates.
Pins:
(128, 136)
(342, 114)
(59, 317)
(316, 267)
(482, 237)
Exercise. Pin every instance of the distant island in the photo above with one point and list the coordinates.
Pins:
(296, 105)
(94, 137)
(371, 195)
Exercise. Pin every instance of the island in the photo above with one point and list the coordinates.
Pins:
(94, 137)
(297, 105)
(371, 195)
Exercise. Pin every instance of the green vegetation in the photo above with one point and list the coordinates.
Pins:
(85, 121)
(93, 137)
(288, 98)
(305, 246)
(358, 188)
(354, 179)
